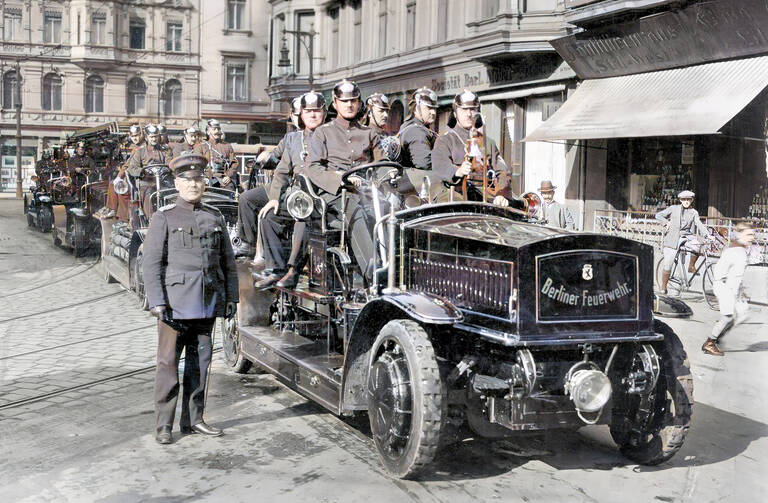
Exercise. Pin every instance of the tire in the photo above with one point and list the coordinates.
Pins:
(707, 287)
(80, 239)
(407, 400)
(137, 278)
(230, 341)
(45, 219)
(656, 439)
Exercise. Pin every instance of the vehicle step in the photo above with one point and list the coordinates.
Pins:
(301, 290)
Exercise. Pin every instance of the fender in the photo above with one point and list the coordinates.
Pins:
(425, 308)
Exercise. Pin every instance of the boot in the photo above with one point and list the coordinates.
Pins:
(692, 263)
(290, 280)
(710, 348)
(664, 281)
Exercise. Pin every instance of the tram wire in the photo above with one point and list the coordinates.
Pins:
(91, 265)
(53, 310)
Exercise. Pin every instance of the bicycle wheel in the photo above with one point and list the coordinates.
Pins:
(707, 286)
(677, 276)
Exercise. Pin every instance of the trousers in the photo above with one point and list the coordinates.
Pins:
(250, 203)
(194, 339)
(360, 222)
(275, 231)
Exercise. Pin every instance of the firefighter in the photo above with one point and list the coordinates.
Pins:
(220, 155)
(151, 153)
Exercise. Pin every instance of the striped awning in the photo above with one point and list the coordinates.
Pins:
(694, 100)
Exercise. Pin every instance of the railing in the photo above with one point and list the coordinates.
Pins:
(643, 227)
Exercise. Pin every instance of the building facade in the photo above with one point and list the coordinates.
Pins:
(235, 61)
(84, 62)
(497, 48)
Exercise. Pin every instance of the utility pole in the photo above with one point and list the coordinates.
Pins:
(17, 103)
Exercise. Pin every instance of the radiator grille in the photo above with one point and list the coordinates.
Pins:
(481, 285)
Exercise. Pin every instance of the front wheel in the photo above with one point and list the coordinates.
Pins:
(137, 278)
(650, 430)
(707, 286)
(406, 398)
(231, 344)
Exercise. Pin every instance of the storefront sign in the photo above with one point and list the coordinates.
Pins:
(699, 33)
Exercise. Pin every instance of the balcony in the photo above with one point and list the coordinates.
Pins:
(12, 48)
(93, 55)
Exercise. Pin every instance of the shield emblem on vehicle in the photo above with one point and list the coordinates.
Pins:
(586, 272)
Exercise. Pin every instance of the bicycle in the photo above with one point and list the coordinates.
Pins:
(679, 279)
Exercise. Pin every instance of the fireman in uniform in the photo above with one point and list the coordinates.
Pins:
(339, 146)
(151, 153)
(417, 139)
(376, 113)
(119, 205)
(79, 166)
(220, 154)
(187, 143)
(191, 278)
(43, 170)
(274, 219)
(452, 161)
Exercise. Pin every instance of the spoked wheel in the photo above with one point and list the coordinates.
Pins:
(707, 286)
(231, 344)
(650, 431)
(44, 219)
(137, 278)
(80, 238)
(406, 398)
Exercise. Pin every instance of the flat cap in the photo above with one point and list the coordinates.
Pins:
(188, 165)
(685, 193)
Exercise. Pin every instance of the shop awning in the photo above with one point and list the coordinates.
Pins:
(694, 100)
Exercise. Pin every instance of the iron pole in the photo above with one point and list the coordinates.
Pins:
(17, 103)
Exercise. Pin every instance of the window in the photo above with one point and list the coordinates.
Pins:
(136, 96)
(358, 32)
(94, 94)
(442, 20)
(173, 37)
(173, 97)
(137, 29)
(12, 24)
(237, 89)
(52, 92)
(9, 89)
(99, 29)
(410, 25)
(333, 14)
(236, 14)
(382, 46)
(305, 22)
(52, 28)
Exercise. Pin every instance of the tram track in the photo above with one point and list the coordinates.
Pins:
(69, 306)
(90, 266)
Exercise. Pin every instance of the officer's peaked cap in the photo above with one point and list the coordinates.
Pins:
(188, 165)
(346, 90)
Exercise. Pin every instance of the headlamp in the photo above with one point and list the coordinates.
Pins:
(590, 389)
(300, 205)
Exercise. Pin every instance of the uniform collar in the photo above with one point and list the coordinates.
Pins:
(181, 203)
(344, 123)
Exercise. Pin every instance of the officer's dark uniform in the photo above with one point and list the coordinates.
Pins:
(216, 153)
(189, 268)
(179, 147)
(142, 157)
(416, 143)
(80, 161)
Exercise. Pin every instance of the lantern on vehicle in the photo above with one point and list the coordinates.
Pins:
(121, 186)
(300, 205)
(589, 388)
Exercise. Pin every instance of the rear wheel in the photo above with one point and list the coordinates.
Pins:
(651, 431)
(44, 219)
(707, 286)
(80, 238)
(406, 398)
(231, 344)
(137, 278)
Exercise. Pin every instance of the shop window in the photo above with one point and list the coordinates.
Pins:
(99, 29)
(52, 84)
(173, 97)
(136, 96)
(9, 89)
(94, 94)
(173, 37)
(137, 31)
(52, 28)
(237, 87)
(236, 14)
(12, 24)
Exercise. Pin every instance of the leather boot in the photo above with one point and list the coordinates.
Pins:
(290, 280)
(664, 281)
(692, 263)
(710, 348)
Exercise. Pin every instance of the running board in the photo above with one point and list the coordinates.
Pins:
(302, 364)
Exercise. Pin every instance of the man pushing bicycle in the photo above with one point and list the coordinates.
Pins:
(681, 221)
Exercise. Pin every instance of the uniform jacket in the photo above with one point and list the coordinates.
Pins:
(449, 153)
(189, 266)
(556, 215)
(291, 162)
(181, 146)
(681, 224)
(416, 141)
(80, 161)
(216, 152)
(338, 146)
(146, 155)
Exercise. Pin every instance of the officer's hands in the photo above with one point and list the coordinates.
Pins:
(355, 180)
(501, 201)
(230, 310)
(464, 169)
(157, 312)
(271, 205)
(225, 180)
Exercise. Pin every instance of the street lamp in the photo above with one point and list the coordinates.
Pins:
(284, 63)
(307, 39)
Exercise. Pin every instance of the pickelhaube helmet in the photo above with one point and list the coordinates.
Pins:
(466, 99)
(426, 96)
(346, 90)
(161, 129)
(134, 129)
(213, 123)
(151, 129)
(193, 129)
(312, 101)
(377, 100)
(296, 105)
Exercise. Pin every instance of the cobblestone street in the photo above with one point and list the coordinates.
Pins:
(76, 418)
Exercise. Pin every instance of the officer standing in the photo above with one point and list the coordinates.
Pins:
(190, 278)
(151, 153)
(452, 162)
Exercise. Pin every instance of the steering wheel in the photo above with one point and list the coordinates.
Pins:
(370, 166)
(153, 169)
